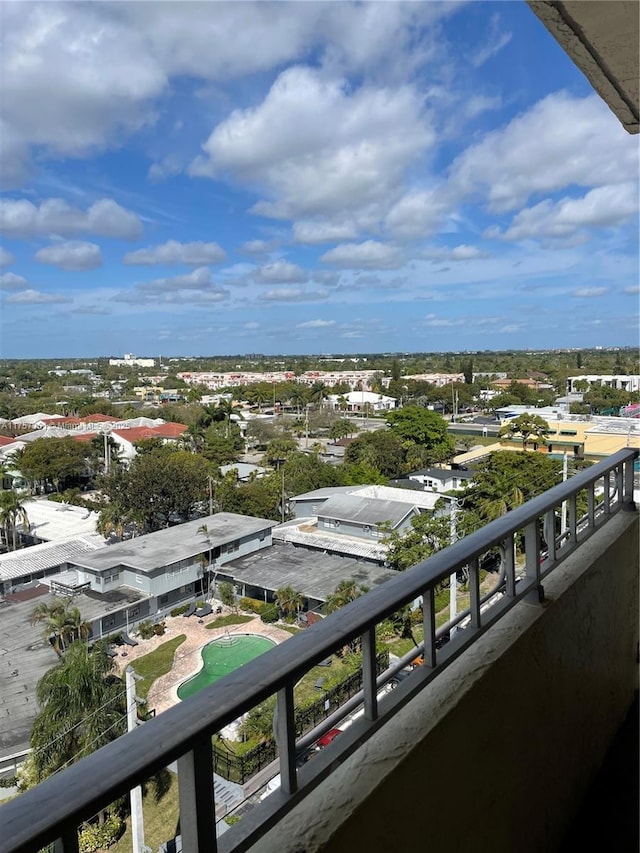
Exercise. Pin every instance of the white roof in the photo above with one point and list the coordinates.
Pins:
(29, 420)
(46, 432)
(424, 500)
(47, 555)
(54, 521)
(322, 541)
(362, 397)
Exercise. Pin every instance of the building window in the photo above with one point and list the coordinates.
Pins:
(133, 612)
(139, 579)
(163, 600)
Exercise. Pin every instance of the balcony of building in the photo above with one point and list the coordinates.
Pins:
(491, 744)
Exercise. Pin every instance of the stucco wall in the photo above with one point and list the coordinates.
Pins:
(497, 753)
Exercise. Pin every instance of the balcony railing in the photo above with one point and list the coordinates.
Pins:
(53, 810)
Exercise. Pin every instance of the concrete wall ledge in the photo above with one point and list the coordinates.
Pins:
(498, 752)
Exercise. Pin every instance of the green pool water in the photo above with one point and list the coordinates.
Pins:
(222, 656)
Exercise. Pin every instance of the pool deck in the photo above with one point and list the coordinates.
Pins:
(187, 660)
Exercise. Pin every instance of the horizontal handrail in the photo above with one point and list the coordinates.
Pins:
(59, 804)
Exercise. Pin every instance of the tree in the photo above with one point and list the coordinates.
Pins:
(62, 621)
(54, 459)
(416, 426)
(227, 594)
(346, 592)
(279, 449)
(529, 427)
(159, 487)
(12, 512)
(289, 601)
(381, 450)
(342, 428)
(82, 707)
(429, 533)
(504, 481)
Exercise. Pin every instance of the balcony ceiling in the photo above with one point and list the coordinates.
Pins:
(602, 38)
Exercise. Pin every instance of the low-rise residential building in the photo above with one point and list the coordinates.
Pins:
(130, 360)
(442, 479)
(364, 517)
(621, 382)
(361, 401)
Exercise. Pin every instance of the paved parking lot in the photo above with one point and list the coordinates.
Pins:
(25, 655)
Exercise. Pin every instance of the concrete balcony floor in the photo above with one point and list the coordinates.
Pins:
(609, 817)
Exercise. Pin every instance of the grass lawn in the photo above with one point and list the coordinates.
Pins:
(290, 629)
(231, 619)
(155, 664)
(160, 820)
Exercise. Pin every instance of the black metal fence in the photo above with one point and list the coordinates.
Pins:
(240, 768)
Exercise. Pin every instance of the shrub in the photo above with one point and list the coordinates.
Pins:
(158, 629)
(95, 836)
(178, 611)
(269, 613)
(251, 605)
(146, 629)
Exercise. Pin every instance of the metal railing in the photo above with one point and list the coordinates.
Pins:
(53, 810)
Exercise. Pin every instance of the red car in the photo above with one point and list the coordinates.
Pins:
(326, 739)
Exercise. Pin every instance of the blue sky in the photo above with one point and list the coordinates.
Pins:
(218, 178)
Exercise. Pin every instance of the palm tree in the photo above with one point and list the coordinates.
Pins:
(63, 621)
(112, 521)
(82, 707)
(289, 600)
(346, 592)
(12, 511)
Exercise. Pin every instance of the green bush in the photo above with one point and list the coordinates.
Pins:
(147, 629)
(269, 613)
(251, 605)
(178, 611)
(96, 836)
(158, 629)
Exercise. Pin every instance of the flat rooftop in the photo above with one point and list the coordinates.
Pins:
(154, 550)
(51, 521)
(312, 573)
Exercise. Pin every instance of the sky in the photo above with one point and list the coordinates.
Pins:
(300, 177)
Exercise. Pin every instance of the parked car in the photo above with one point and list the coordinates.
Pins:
(327, 738)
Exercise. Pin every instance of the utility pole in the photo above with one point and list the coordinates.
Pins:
(210, 481)
(453, 580)
(282, 471)
(306, 426)
(137, 823)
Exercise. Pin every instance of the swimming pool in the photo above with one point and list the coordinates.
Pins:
(222, 656)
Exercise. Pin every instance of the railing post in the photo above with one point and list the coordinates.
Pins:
(196, 794)
(509, 565)
(429, 626)
(532, 558)
(286, 739)
(607, 495)
(474, 593)
(591, 503)
(619, 477)
(550, 534)
(369, 674)
(68, 841)
(573, 520)
(628, 502)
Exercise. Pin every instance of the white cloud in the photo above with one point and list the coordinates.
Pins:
(368, 255)
(256, 247)
(251, 327)
(589, 292)
(560, 141)
(35, 297)
(6, 258)
(602, 207)
(281, 272)
(442, 322)
(458, 253)
(105, 218)
(495, 41)
(77, 78)
(418, 214)
(319, 147)
(316, 324)
(173, 252)
(10, 281)
(72, 255)
(198, 279)
(292, 294)
(314, 232)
